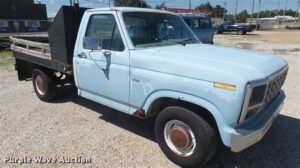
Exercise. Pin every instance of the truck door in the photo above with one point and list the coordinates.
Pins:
(102, 72)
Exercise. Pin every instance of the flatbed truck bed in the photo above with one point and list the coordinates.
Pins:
(34, 51)
(4, 37)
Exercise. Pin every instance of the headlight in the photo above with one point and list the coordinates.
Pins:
(254, 98)
(260, 94)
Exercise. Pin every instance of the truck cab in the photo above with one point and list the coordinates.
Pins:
(149, 63)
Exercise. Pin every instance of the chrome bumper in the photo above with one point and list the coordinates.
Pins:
(253, 130)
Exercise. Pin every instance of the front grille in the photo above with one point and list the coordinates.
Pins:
(274, 86)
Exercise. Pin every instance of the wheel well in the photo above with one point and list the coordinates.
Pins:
(161, 103)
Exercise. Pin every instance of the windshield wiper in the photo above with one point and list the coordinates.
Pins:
(186, 41)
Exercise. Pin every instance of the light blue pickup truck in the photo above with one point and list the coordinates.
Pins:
(149, 63)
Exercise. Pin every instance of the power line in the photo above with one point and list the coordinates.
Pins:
(235, 11)
(259, 5)
(225, 3)
(253, 3)
(297, 11)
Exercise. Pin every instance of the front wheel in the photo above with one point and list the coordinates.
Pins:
(219, 32)
(185, 138)
(241, 32)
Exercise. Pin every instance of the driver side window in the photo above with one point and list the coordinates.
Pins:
(104, 27)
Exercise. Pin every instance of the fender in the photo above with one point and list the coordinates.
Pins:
(224, 129)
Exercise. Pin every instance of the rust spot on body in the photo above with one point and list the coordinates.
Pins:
(140, 113)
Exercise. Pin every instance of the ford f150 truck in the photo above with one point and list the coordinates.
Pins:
(148, 63)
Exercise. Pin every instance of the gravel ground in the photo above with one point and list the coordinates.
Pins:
(73, 126)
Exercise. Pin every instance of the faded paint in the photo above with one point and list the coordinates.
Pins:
(137, 77)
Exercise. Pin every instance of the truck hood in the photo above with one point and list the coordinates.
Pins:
(208, 62)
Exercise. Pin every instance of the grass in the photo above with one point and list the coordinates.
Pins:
(6, 59)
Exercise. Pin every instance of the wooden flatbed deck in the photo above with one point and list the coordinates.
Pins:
(36, 49)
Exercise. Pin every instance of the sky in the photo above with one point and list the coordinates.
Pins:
(53, 5)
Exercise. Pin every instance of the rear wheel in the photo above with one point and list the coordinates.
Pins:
(241, 32)
(44, 86)
(184, 137)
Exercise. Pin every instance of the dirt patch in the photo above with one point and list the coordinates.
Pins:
(284, 51)
(285, 37)
(245, 45)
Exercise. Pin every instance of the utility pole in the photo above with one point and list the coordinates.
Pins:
(235, 11)
(225, 3)
(284, 8)
(108, 3)
(297, 11)
(257, 19)
(142, 3)
(278, 8)
(284, 11)
(251, 19)
(190, 4)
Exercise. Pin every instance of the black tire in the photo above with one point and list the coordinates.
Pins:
(205, 136)
(244, 32)
(240, 31)
(220, 32)
(49, 86)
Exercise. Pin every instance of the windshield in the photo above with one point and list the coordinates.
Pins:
(152, 29)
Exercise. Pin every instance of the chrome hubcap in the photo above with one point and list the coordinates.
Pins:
(179, 138)
(40, 84)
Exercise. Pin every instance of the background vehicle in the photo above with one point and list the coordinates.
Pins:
(147, 63)
(201, 26)
(227, 26)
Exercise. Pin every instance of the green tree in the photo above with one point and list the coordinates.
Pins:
(218, 11)
(272, 13)
(161, 6)
(205, 6)
(242, 16)
(230, 17)
(131, 3)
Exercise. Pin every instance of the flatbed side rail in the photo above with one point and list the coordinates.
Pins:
(29, 47)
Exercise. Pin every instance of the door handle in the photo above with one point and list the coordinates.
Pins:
(82, 55)
(107, 53)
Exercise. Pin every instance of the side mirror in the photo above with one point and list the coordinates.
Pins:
(92, 43)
